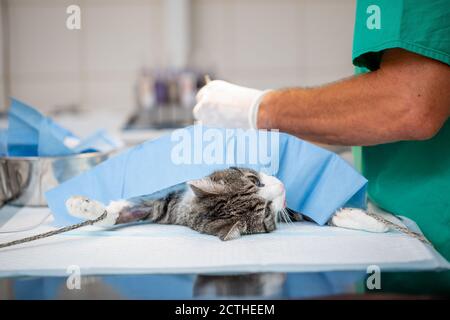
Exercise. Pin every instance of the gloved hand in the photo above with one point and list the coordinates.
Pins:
(222, 104)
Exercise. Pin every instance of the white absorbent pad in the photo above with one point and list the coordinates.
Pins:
(152, 248)
(15, 219)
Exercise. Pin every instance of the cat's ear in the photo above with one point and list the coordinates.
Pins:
(205, 187)
(233, 232)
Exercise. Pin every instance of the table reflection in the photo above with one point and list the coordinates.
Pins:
(250, 286)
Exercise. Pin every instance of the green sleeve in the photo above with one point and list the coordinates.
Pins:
(419, 26)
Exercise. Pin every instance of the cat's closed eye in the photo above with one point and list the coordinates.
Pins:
(256, 181)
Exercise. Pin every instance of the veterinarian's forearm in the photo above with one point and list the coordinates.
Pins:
(349, 112)
(391, 104)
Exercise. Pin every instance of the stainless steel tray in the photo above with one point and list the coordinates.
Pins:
(24, 180)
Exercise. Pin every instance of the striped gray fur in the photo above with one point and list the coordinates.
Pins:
(225, 204)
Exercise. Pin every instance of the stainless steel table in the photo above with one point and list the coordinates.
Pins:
(184, 286)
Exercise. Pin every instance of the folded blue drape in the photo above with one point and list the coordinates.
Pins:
(30, 133)
(317, 181)
(3, 143)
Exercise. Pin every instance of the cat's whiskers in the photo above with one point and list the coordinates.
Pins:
(287, 218)
(277, 217)
(282, 216)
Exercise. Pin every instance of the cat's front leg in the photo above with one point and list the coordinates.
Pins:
(85, 208)
(357, 219)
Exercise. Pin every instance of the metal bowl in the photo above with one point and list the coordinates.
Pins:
(24, 180)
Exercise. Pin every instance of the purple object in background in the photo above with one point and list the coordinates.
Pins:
(161, 90)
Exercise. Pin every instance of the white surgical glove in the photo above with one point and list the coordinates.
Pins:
(222, 104)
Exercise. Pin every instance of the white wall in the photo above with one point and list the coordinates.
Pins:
(52, 66)
(260, 43)
(265, 43)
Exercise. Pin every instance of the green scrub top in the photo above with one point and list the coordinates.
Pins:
(409, 178)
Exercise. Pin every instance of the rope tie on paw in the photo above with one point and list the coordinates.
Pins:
(54, 232)
(401, 229)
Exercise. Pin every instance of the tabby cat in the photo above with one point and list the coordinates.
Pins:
(227, 203)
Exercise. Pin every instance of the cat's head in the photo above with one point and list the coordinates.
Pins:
(236, 201)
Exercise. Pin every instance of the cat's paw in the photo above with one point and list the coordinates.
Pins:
(84, 208)
(357, 219)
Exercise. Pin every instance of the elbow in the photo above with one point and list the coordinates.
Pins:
(421, 121)
(427, 131)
